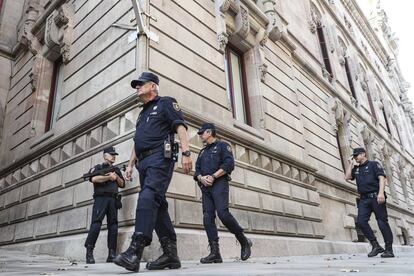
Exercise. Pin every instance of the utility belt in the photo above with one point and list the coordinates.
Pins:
(169, 148)
(117, 196)
(368, 195)
(149, 152)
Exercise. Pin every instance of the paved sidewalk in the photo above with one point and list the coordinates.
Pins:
(21, 263)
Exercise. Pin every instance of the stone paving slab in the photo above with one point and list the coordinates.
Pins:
(22, 263)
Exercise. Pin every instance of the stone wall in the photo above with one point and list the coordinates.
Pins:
(287, 187)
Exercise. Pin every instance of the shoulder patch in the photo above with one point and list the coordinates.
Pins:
(229, 148)
(379, 166)
(176, 106)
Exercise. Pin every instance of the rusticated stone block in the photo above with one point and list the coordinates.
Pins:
(292, 207)
(299, 192)
(272, 203)
(83, 192)
(30, 189)
(74, 219)
(24, 230)
(7, 233)
(280, 187)
(304, 227)
(262, 222)
(51, 181)
(12, 197)
(285, 225)
(257, 180)
(314, 197)
(46, 225)
(38, 206)
(189, 212)
(61, 199)
(243, 197)
(18, 212)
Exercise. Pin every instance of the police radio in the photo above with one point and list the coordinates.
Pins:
(167, 149)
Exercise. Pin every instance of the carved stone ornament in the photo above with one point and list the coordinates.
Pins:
(337, 112)
(314, 19)
(222, 39)
(242, 22)
(341, 60)
(25, 35)
(58, 33)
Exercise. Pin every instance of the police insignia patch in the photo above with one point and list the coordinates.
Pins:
(176, 106)
(379, 166)
(229, 148)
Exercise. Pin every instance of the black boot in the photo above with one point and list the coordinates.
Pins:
(168, 259)
(376, 249)
(388, 253)
(111, 255)
(214, 256)
(89, 254)
(132, 256)
(246, 245)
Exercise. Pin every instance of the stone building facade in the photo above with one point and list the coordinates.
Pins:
(292, 85)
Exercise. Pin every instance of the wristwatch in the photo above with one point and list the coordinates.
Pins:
(186, 153)
(214, 177)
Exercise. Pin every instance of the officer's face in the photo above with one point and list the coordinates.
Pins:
(145, 89)
(109, 157)
(204, 136)
(359, 158)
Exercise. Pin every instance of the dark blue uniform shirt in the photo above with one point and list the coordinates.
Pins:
(366, 176)
(158, 119)
(108, 186)
(215, 156)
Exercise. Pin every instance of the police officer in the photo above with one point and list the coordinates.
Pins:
(370, 179)
(213, 168)
(159, 120)
(105, 204)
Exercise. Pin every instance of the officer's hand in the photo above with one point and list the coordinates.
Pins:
(187, 163)
(210, 179)
(128, 173)
(204, 181)
(113, 176)
(381, 198)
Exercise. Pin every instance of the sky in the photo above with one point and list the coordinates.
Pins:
(401, 20)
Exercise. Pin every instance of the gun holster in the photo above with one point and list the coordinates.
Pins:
(118, 202)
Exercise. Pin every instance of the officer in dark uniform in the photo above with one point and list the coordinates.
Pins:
(213, 168)
(105, 204)
(159, 120)
(370, 178)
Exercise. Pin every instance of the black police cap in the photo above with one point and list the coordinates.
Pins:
(110, 150)
(204, 127)
(145, 77)
(357, 151)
